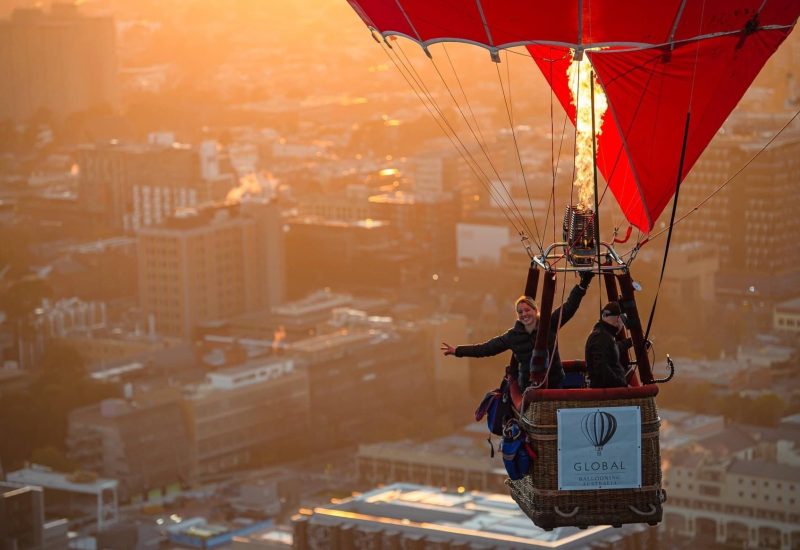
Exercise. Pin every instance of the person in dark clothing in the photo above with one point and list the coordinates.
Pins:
(604, 353)
(521, 337)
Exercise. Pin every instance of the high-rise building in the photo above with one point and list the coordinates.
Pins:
(130, 186)
(752, 222)
(353, 255)
(60, 61)
(210, 264)
(426, 223)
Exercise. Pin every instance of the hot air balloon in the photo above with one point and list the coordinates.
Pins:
(655, 62)
(598, 428)
(646, 85)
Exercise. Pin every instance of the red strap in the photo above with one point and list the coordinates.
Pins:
(627, 236)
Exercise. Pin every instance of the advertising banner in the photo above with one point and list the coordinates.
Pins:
(599, 448)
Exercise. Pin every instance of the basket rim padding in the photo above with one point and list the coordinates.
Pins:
(587, 394)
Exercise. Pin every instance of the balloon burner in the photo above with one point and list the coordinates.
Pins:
(579, 234)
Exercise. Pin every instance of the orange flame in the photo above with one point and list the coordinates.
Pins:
(581, 79)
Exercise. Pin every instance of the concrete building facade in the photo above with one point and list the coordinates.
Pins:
(142, 442)
(742, 503)
(130, 186)
(60, 61)
(752, 223)
(368, 383)
(210, 264)
(248, 413)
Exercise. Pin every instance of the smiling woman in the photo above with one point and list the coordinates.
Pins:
(521, 337)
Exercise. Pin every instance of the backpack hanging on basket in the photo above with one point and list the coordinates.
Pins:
(517, 454)
(497, 407)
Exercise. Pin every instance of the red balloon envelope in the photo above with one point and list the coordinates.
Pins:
(656, 61)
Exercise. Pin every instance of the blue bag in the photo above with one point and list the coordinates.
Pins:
(517, 454)
(497, 407)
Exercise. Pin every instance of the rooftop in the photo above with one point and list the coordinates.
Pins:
(733, 439)
(250, 373)
(452, 451)
(342, 339)
(48, 479)
(479, 518)
(766, 470)
(321, 300)
(789, 306)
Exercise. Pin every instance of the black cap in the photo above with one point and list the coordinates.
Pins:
(612, 308)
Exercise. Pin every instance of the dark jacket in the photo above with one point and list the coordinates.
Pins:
(521, 343)
(604, 357)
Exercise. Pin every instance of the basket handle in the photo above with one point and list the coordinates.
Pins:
(565, 514)
(635, 510)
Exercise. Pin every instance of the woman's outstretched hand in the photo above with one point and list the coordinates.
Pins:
(447, 349)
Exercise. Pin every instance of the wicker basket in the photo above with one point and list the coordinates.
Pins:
(538, 495)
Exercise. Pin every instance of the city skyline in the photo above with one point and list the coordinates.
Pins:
(237, 238)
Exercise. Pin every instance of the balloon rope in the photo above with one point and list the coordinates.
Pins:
(520, 217)
(452, 137)
(519, 157)
(730, 179)
(671, 225)
(511, 116)
(451, 134)
(464, 95)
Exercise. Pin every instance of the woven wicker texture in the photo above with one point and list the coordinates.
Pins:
(538, 496)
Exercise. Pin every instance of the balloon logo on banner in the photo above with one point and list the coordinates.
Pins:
(598, 428)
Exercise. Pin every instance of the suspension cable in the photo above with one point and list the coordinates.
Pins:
(519, 157)
(679, 179)
(729, 180)
(478, 140)
(465, 155)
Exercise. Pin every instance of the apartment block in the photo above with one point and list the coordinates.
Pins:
(210, 264)
(241, 415)
(142, 442)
